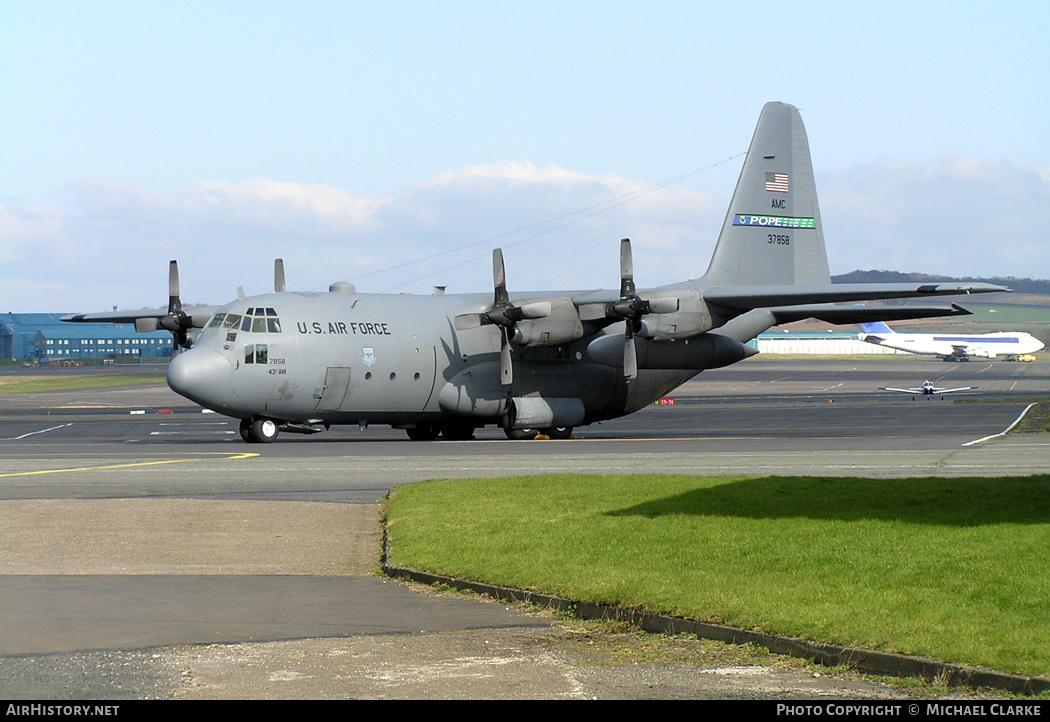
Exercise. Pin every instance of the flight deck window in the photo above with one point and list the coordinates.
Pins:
(256, 320)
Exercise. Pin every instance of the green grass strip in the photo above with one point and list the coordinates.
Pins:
(28, 384)
(956, 569)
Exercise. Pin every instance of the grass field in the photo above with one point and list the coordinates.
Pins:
(956, 569)
(35, 383)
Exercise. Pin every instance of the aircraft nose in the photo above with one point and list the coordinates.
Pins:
(202, 375)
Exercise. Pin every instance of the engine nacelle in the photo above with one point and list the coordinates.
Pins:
(691, 318)
(562, 325)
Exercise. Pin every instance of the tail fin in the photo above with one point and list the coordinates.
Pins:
(772, 233)
(877, 327)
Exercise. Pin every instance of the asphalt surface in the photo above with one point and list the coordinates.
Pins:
(154, 555)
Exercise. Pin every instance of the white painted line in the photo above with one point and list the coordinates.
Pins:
(1004, 432)
(34, 433)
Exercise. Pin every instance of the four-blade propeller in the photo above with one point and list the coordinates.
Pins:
(178, 322)
(503, 314)
(631, 308)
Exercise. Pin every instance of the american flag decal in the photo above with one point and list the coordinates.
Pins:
(777, 182)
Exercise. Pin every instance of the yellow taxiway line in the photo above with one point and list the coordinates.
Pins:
(40, 472)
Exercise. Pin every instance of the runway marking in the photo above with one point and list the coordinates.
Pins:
(1004, 432)
(235, 457)
(33, 433)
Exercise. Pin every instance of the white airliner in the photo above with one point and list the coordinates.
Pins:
(952, 347)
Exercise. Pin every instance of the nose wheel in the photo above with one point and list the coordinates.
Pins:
(259, 430)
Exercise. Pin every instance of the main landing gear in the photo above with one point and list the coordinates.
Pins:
(449, 430)
(464, 431)
(555, 432)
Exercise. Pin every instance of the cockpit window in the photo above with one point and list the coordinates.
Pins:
(256, 320)
(256, 353)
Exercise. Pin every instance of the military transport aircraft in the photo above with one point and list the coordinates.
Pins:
(927, 389)
(953, 347)
(528, 362)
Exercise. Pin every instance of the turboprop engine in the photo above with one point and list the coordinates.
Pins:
(691, 319)
(561, 325)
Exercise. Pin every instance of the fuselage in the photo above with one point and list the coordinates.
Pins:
(348, 358)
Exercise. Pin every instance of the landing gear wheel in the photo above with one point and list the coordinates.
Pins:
(521, 434)
(263, 431)
(246, 430)
(559, 432)
(423, 432)
(457, 431)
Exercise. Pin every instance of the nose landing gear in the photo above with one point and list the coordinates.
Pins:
(259, 430)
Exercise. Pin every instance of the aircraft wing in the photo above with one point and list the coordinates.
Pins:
(903, 391)
(199, 314)
(831, 313)
(744, 298)
(948, 391)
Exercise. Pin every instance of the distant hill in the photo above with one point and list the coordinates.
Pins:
(1018, 285)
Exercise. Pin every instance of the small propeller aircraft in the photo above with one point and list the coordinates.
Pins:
(531, 363)
(927, 389)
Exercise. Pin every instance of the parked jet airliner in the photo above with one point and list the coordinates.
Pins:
(952, 347)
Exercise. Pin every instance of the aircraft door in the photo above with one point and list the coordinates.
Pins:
(336, 385)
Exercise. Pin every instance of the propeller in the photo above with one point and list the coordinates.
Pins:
(631, 308)
(278, 275)
(504, 314)
(178, 322)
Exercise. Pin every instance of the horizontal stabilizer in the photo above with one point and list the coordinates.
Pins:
(871, 317)
(744, 298)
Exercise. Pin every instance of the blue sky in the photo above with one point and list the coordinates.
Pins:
(349, 137)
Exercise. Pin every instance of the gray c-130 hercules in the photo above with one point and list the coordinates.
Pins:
(528, 362)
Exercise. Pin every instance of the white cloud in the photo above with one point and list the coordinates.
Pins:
(96, 243)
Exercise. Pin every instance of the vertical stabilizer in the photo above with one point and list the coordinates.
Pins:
(772, 233)
(877, 327)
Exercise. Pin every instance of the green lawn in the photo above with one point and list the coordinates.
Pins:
(35, 383)
(956, 569)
